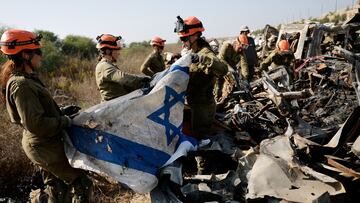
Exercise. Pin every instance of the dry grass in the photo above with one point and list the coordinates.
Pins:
(131, 59)
(14, 164)
(109, 191)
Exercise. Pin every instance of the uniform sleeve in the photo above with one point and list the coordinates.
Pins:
(223, 53)
(33, 116)
(146, 66)
(113, 74)
(267, 62)
(212, 64)
(244, 66)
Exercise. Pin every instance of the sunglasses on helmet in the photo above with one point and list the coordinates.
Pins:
(179, 25)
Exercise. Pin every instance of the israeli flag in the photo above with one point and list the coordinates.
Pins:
(131, 137)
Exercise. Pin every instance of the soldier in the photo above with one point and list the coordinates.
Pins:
(111, 81)
(31, 106)
(232, 54)
(205, 69)
(154, 62)
(250, 53)
(280, 56)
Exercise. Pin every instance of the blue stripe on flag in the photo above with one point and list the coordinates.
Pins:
(177, 67)
(117, 150)
(184, 138)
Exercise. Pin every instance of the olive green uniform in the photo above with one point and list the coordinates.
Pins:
(30, 105)
(278, 58)
(229, 56)
(154, 63)
(112, 82)
(200, 97)
(200, 90)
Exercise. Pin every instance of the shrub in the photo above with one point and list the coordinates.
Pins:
(78, 46)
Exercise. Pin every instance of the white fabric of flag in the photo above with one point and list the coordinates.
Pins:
(131, 137)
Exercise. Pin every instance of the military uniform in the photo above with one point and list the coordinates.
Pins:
(278, 58)
(228, 55)
(200, 90)
(30, 105)
(154, 63)
(112, 82)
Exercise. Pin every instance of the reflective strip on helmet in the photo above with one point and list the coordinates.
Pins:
(13, 44)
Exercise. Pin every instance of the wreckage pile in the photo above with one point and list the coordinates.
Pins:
(282, 138)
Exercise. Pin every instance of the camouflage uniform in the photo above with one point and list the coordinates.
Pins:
(278, 58)
(112, 82)
(200, 90)
(228, 55)
(30, 105)
(154, 63)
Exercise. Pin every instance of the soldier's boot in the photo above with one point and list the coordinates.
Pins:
(57, 192)
(82, 189)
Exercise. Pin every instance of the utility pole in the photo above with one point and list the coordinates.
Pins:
(335, 6)
(321, 10)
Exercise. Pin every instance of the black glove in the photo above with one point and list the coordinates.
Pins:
(195, 58)
(145, 81)
(69, 110)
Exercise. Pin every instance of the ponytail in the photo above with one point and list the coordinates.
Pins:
(14, 64)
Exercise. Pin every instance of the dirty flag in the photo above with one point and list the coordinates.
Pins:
(131, 137)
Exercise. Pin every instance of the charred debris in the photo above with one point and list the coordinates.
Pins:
(284, 138)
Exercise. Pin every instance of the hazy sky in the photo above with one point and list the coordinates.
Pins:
(138, 20)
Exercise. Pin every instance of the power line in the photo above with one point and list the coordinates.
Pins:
(335, 5)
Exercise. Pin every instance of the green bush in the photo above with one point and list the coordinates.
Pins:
(142, 44)
(324, 20)
(78, 46)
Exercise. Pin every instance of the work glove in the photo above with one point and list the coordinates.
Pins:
(196, 58)
(145, 82)
(146, 79)
(70, 110)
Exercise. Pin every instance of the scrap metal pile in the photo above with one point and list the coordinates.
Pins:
(282, 138)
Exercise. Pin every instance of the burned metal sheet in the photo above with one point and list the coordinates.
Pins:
(277, 173)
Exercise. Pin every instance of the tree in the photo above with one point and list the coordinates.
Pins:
(83, 47)
(51, 46)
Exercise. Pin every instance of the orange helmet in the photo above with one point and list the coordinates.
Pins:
(284, 45)
(13, 41)
(189, 26)
(157, 41)
(243, 40)
(108, 41)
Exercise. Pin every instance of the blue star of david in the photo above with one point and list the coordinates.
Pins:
(171, 98)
